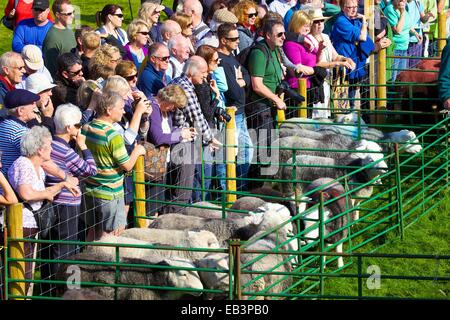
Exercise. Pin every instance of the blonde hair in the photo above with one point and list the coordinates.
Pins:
(173, 94)
(91, 40)
(103, 55)
(145, 11)
(183, 19)
(134, 27)
(126, 68)
(241, 8)
(299, 19)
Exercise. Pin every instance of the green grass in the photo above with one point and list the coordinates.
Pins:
(88, 10)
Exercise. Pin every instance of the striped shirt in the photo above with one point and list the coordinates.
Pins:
(108, 149)
(69, 161)
(11, 132)
(191, 115)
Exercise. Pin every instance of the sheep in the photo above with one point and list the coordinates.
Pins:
(333, 190)
(181, 238)
(311, 173)
(138, 276)
(248, 203)
(304, 123)
(138, 253)
(288, 132)
(210, 210)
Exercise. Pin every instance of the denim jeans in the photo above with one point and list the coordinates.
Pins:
(399, 63)
(245, 151)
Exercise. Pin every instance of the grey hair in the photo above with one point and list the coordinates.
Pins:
(33, 140)
(192, 65)
(66, 115)
(7, 59)
(116, 84)
(175, 41)
(109, 100)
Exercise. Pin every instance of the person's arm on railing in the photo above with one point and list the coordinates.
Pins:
(8, 197)
(27, 193)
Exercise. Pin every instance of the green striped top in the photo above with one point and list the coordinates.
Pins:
(108, 149)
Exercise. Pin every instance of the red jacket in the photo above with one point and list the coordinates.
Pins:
(23, 11)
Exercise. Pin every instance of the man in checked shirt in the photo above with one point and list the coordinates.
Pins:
(182, 166)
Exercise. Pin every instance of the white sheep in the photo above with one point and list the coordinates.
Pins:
(209, 210)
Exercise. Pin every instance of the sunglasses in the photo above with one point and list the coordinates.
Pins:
(156, 12)
(318, 21)
(165, 59)
(252, 15)
(76, 73)
(280, 34)
(67, 13)
(144, 33)
(132, 77)
(118, 15)
(233, 39)
(216, 60)
(78, 125)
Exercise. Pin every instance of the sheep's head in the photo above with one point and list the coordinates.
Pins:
(274, 215)
(201, 238)
(351, 117)
(414, 145)
(376, 157)
(182, 278)
(214, 280)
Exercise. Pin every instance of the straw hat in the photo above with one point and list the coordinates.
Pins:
(316, 14)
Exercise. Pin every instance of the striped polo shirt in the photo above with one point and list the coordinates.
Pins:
(108, 149)
(69, 161)
(11, 132)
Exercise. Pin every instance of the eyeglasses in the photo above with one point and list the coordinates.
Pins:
(76, 73)
(165, 59)
(252, 15)
(280, 34)
(318, 21)
(78, 125)
(21, 68)
(216, 60)
(144, 33)
(156, 12)
(67, 13)
(131, 77)
(233, 39)
(118, 15)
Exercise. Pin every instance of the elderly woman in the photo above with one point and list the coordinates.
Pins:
(136, 50)
(163, 134)
(247, 13)
(211, 97)
(185, 22)
(27, 178)
(150, 12)
(110, 21)
(134, 122)
(67, 127)
(350, 39)
(328, 58)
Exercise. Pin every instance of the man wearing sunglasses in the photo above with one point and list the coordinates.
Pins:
(68, 79)
(12, 69)
(34, 30)
(60, 38)
(153, 77)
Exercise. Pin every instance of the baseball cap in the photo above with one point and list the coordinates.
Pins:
(20, 97)
(32, 56)
(41, 4)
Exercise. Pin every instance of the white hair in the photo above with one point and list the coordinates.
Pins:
(116, 84)
(192, 65)
(33, 140)
(66, 115)
(8, 59)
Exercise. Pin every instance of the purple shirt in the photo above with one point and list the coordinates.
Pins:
(155, 133)
(297, 53)
(132, 57)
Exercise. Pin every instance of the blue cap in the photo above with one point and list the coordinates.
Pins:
(19, 97)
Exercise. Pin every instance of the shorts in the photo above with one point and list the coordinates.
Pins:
(108, 215)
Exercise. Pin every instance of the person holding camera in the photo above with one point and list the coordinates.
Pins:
(210, 96)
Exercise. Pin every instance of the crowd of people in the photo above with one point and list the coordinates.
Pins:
(78, 106)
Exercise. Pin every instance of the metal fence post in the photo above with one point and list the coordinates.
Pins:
(398, 187)
(369, 13)
(321, 242)
(302, 112)
(231, 155)
(16, 249)
(381, 81)
(139, 187)
(235, 249)
(442, 22)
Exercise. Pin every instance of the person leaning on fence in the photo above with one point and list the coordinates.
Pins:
(162, 133)
(67, 126)
(27, 178)
(444, 76)
(350, 39)
(104, 192)
(182, 165)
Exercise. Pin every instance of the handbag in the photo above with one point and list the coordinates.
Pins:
(9, 22)
(45, 218)
(339, 91)
(155, 161)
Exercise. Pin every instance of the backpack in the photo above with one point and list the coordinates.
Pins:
(9, 22)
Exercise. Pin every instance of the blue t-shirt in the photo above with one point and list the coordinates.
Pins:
(415, 8)
(27, 32)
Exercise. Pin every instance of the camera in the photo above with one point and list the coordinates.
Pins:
(219, 112)
(291, 93)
